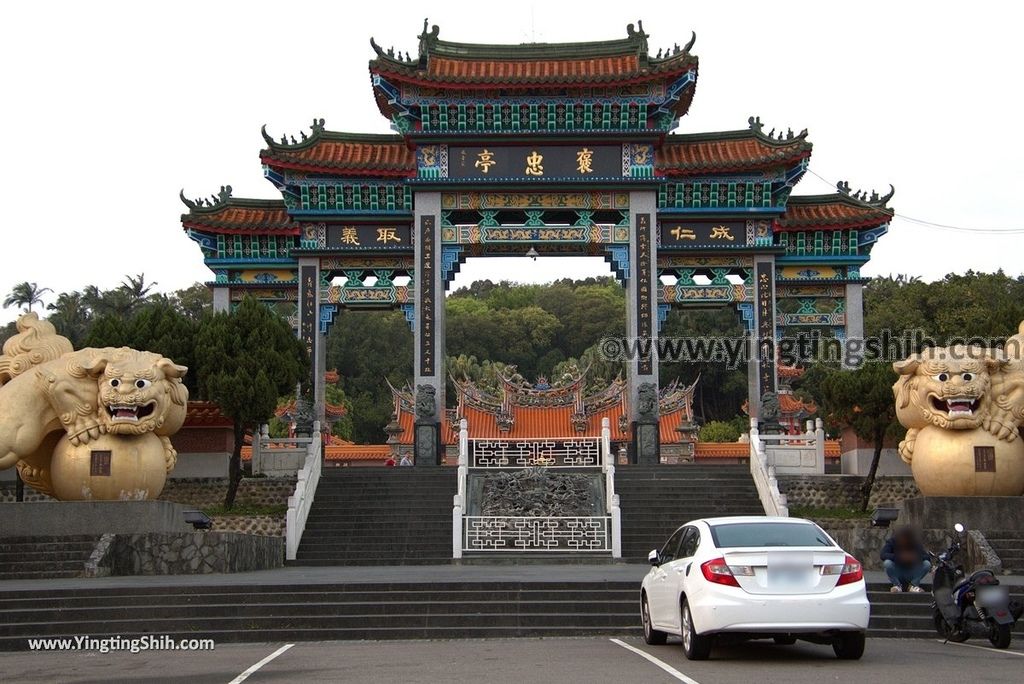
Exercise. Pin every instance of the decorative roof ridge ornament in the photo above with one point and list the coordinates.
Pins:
(207, 204)
(427, 40)
(390, 53)
(784, 137)
(668, 53)
(873, 200)
(638, 36)
(289, 142)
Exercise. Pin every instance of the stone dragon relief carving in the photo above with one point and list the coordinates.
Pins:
(92, 424)
(963, 407)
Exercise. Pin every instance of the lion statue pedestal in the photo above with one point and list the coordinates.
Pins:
(109, 468)
(945, 461)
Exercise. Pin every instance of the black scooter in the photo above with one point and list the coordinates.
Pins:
(970, 606)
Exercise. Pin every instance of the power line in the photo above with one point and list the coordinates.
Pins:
(929, 224)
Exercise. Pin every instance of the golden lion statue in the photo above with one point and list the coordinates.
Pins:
(87, 424)
(962, 407)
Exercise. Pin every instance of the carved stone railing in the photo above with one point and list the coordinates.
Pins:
(301, 501)
(802, 454)
(459, 503)
(772, 500)
(612, 504)
(537, 534)
(582, 452)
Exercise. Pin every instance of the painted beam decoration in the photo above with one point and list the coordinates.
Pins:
(644, 288)
(427, 302)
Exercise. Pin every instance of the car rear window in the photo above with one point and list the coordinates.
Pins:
(735, 535)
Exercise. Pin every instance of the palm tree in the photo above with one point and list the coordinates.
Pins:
(26, 294)
(71, 316)
(136, 290)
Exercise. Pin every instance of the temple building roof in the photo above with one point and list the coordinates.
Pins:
(528, 65)
(226, 214)
(842, 209)
(341, 153)
(730, 152)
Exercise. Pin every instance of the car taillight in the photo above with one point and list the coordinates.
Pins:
(849, 572)
(718, 571)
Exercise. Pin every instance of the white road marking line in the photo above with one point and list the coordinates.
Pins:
(984, 648)
(245, 675)
(663, 665)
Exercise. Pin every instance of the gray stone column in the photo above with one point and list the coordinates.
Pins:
(761, 373)
(642, 324)
(428, 330)
(854, 315)
(221, 299)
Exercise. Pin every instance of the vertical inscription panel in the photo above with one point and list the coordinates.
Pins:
(427, 289)
(308, 282)
(984, 459)
(644, 285)
(765, 275)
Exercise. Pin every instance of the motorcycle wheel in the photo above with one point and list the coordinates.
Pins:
(1000, 636)
(940, 623)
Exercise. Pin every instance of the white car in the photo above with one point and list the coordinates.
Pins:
(751, 578)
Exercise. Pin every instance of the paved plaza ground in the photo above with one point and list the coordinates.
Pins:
(524, 661)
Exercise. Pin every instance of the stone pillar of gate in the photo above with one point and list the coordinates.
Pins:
(221, 299)
(854, 320)
(642, 325)
(309, 331)
(761, 373)
(428, 331)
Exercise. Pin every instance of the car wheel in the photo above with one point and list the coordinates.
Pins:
(1000, 636)
(785, 641)
(695, 646)
(849, 645)
(652, 636)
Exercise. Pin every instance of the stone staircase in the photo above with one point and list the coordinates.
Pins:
(1010, 550)
(309, 612)
(656, 500)
(380, 516)
(44, 557)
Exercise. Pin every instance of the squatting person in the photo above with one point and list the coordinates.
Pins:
(905, 560)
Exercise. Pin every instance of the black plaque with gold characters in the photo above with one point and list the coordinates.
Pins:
(703, 234)
(308, 279)
(765, 274)
(644, 289)
(368, 237)
(582, 162)
(427, 291)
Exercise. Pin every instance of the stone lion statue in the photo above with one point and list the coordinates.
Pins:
(962, 407)
(647, 402)
(426, 402)
(60, 404)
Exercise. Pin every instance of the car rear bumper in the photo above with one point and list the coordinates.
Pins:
(728, 609)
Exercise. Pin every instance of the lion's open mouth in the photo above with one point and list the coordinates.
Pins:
(130, 413)
(958, 407)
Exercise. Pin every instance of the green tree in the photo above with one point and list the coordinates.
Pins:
(193, 301)
(25, 294)
(71, 316)
(720, 431)
(861, 399)
(245, 360)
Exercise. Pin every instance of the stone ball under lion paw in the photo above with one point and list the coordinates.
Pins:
(137, 468)
(958, 462)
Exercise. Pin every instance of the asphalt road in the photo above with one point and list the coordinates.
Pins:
(523, 661)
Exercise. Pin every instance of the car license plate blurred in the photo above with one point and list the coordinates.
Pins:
(991, 597)
(787, 576)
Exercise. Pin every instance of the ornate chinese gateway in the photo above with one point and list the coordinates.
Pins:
(565, 149)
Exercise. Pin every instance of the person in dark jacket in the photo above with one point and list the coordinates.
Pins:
(905, 560)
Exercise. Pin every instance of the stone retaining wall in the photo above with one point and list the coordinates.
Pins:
(207, 493)
(266, 525)
(191, 553)
(843, 491)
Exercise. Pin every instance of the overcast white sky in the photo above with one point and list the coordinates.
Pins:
(109, 108)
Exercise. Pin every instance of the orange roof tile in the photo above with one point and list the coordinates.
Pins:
(729, 151)
(242, 216)
(824, 212)
(205, 414)
(368, 155)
